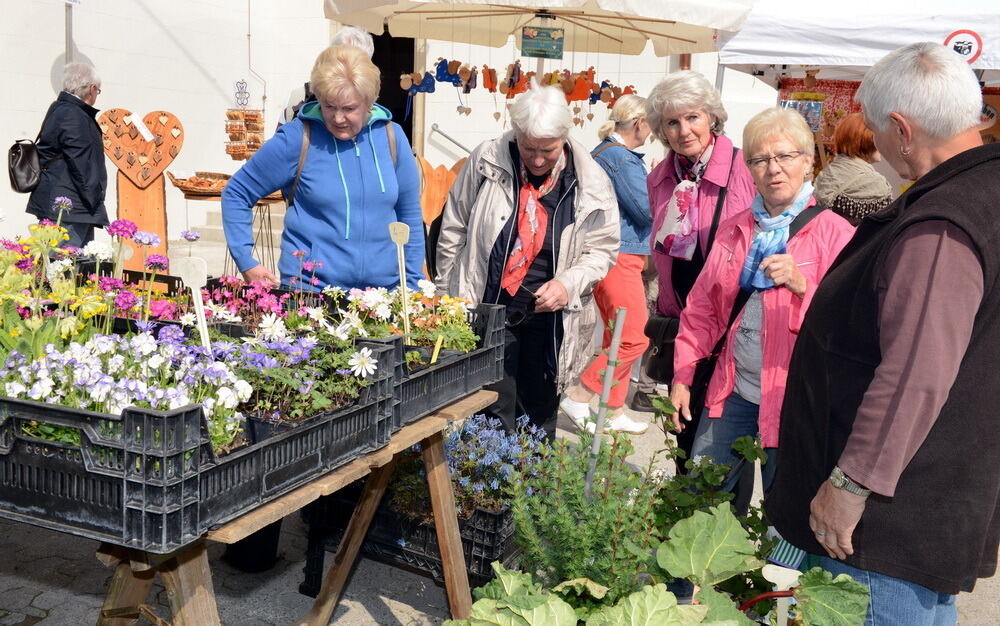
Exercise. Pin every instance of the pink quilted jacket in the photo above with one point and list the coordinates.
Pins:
(710, 302)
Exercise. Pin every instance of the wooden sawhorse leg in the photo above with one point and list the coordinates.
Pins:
(347, 552)
(186, 577)
(456, 576)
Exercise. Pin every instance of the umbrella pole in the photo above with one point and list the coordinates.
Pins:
(602, 407)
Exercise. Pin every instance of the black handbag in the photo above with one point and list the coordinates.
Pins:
(661, 329)
(23, 164)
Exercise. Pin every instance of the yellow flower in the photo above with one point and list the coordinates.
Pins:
(15, 332)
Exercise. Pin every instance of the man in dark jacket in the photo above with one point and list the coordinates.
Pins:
(72, 158)
(888, 433)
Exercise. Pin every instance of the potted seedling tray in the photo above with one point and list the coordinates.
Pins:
(150, 480)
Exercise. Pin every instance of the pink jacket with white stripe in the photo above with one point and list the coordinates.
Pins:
(710, 302)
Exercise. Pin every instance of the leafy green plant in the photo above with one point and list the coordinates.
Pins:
(515, 598)
(700, 489)
(607, 538)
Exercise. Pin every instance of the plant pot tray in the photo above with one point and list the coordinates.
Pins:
(149, 479)
(422, 392)
(487, 536)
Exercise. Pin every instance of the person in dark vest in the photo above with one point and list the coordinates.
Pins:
(72, 158)
(889, 438)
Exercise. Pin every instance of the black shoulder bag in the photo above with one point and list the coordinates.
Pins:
(661, 329)
(23, 164)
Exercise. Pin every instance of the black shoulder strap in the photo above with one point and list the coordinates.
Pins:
(804, 218)
(302, 161)
(718, 206)
(742, 297)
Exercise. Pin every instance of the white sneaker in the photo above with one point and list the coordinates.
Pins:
(578, 413)
(626, 424)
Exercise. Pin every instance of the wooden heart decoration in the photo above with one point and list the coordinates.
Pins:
(496, 116)
(144, 161)
(590, 118)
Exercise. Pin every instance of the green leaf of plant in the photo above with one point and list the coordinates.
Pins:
(581, 586)
(823, 599)
(708, 548)
(652, 604)
(507, 583)
(721, 608)
(547, 610)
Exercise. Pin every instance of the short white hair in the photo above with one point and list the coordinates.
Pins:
(928, 84)
(357, 37)
(541, 113)
(78, 77)
(684, 91)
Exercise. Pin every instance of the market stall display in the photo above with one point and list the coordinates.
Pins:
(141, 439)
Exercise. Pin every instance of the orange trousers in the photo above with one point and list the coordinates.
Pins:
(622, 287)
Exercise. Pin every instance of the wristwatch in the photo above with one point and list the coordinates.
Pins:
(840, 480)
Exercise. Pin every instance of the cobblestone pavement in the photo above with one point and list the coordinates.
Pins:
(53, 579)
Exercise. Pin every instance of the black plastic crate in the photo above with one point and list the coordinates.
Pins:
(422, 392)
(149, 479)
(393, 538)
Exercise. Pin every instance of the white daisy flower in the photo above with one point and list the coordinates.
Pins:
(363, 363)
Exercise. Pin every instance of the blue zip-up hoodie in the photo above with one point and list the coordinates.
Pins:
(628, 175)
(347, 195)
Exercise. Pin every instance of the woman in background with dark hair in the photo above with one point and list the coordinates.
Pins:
(849, 185)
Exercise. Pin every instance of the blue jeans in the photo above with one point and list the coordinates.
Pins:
(715, 439)
(896, 602)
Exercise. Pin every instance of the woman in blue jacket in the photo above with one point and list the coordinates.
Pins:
(625, 130)
(358, 175)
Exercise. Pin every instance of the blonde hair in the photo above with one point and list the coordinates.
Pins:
(541, 113)
(628, 108)
(341, 69)
(684, 91)
(777, 122)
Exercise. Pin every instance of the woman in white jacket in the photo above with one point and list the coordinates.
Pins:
(532, 223)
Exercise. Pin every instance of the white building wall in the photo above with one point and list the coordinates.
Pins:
(181, 56)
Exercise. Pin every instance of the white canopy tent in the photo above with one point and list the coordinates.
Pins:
(843, 39)
(610, 26)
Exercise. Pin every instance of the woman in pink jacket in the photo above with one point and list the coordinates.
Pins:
(753, 253)
(702, 173)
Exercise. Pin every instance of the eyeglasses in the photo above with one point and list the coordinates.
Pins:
(783, 160)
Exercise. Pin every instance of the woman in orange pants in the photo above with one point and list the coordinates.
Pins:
(624, 131)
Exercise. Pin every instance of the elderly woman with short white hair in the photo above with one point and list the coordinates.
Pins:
(532, 223)
(749, 301)
(72, 158)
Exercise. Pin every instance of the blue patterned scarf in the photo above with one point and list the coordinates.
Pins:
(771, 239)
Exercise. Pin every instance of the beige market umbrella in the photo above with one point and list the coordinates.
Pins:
(608, 26)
